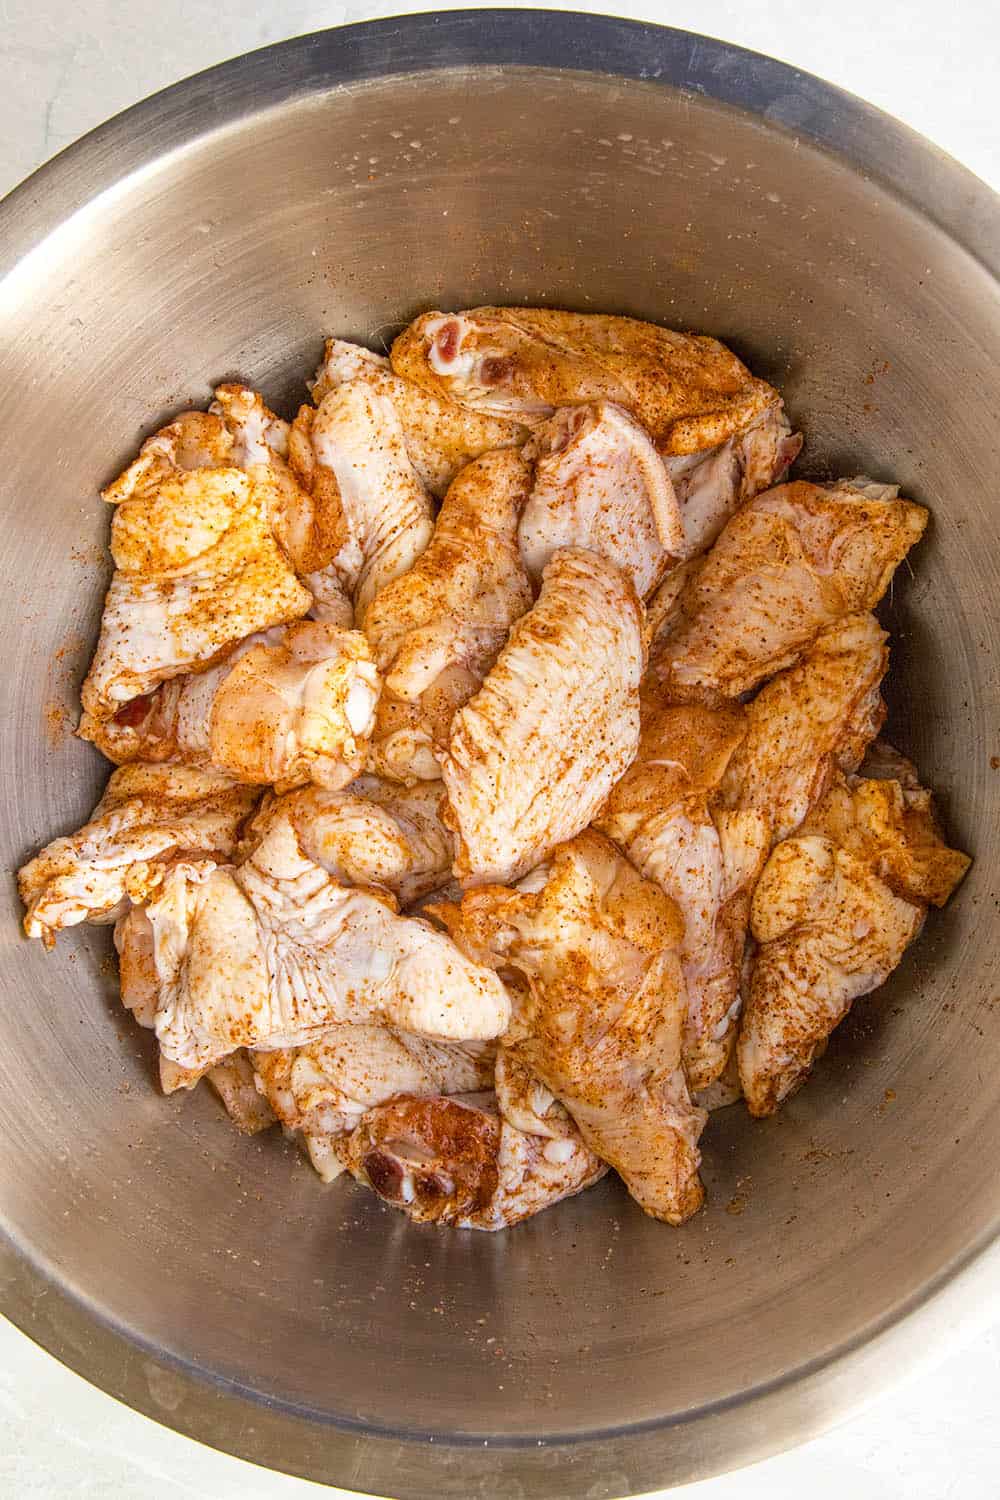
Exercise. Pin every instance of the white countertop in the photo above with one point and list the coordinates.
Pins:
(68, 67)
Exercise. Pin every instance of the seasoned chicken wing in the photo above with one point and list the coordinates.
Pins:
(293, 704)
(349, 454)
(440, 436)
(832, 914)
(148, 815)
(234, 1082)
(689, 392)
(600, 484)
(437, 630)
(457, 1161)
(793, 561)
(535, 753)
(807, 722)
(601, 1016)
(666, 816)
(278, 950)
(197, 565)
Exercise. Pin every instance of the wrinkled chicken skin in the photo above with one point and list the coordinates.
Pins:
(689, 392)
(324, 1088)
(147, 816)
(349, 455)
(197, 565)
(600, 484)
(293, 704)
(833, 912)
(374, 832)
(793, 561)
(711, 486)
(537, 750)
(808, 722)
(664, 815)
(440, 437)
(457, 1161)
(437, 630)
(276, 951)
(601, 1017)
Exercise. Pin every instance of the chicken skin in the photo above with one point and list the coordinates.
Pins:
(689, 392)
(537, 750)
(440, 436)
(349, 455)
(600, 484)
(437, 630)
(148, 815)
(293, 704)
(665, 815)
(833, 912)
(458, 1161)
(601, 1011)
(793, 561)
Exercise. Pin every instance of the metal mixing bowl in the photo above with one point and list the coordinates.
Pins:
(340, 183)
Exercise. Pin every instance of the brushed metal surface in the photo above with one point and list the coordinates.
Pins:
(340, 183)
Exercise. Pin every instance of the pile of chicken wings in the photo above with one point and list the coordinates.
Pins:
(498, 779)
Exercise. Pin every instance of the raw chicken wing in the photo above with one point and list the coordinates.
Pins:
(601, 1013)
(689, 392)
(437, 630)
(793, 561)
(832, 914)
(535, 753)
(148, 815)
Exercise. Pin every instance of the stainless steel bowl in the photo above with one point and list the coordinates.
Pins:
(340, 183)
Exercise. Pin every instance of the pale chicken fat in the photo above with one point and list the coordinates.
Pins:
(689, 392)
(438, 629)
(600, 484)
(535, 753)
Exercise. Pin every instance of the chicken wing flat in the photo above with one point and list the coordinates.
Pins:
(457, 1161)
(293, 704)
(324, 1088)
(440, 436)
(833, 912)
(689, 392)
(600, 1021)
(437, 630)
(537, 750)
(349, 454)
(276, 951)
(197, 565)
(148, 814)
(600, 484)
(793, 561)
(808, 722)
(665, 816)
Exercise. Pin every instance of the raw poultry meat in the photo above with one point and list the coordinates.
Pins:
(197, 563)
(147, 816)
(537, 750)
(688, 391)
(292, 704)
(457, 1161)
(807, 722)
(665, 815)
(348, 453)
(600, 484)
(274, 952)
(437, 630)
(324, 1088)
(833, 912)
(601, 1010)
(791, 562)
(440, 436)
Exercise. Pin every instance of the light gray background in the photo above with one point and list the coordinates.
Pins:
(69, 64)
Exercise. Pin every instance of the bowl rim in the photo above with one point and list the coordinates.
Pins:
(966, 1292)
